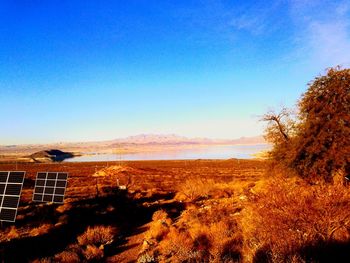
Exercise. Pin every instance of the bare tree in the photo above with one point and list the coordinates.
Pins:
(280, 126)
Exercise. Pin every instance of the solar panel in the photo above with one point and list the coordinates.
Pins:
(50, 187)
(11, 184)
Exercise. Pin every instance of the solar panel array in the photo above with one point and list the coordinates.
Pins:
(50, 187)
(11, 184)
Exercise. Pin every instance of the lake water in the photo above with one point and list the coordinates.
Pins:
(210, 152)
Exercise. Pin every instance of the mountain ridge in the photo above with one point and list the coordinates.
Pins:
(133, 143)
(149, 138)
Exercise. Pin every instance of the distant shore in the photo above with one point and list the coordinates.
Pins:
(26, 155)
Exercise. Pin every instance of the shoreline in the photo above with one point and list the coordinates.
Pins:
(130, 150)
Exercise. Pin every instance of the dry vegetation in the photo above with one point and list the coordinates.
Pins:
(95, 206)
(250, 216)
(273, 220)
(290, 220)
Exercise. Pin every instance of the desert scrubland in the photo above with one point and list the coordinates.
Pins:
(179, 211)
(93, 199)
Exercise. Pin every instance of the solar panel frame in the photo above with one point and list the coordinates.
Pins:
(46, 185)
(9, 194)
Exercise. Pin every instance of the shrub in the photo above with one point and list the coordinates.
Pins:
(145, 258)
(159, 215)
(43, 229)
(159, 227)
(93, 253)
(64, 208)
(97, 235)
(316, 142)
(199, 235)
(13, 233)
(67, 257)
(289, 218)
(178, 247)
(194, 189)
(323, 144)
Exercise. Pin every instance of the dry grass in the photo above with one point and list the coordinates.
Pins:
(67, 257)
(232, 212)
(93, 253)
(196, 188)
(289, 219)
(9, 234)
(43, 229)
(13, 233)
(202, 233)
(159, 227)
(154, 181)
(97, 236)
(276, 219)
(90, 246)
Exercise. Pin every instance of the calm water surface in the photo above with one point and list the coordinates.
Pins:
(210, 152)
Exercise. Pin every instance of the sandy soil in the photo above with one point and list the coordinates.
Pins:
(94, 200)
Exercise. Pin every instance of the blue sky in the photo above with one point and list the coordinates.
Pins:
(95, 70)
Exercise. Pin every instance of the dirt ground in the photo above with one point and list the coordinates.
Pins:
(44, 230)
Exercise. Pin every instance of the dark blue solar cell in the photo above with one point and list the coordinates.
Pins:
(62, 176)
(39, 190)
(8, 214)
(49, 190)
(47, 198)
(59, 191)
(58, 198)
(2, 189)
(61, 184)
(40, 182)
(41, 175)
(16, 177)
(13, 189)
(3, 176)
(50, 183)
(38, 197)
(10, 201)
(52, 176)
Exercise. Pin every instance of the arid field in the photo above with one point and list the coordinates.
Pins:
(48, 231)
(179, 211)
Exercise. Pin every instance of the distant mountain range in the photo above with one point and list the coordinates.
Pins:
(129, 144)
(176, 139)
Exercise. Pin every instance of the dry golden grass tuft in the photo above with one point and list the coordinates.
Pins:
(41, 230)
(13, 233)
(97, 235)
(64, 208)
(67, 257)
(93, 253)
(194, 189)
(159, 227)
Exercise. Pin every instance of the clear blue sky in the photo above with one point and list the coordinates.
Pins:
(95, 70)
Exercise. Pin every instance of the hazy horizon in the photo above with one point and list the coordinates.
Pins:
(91, 71)
(135, 135)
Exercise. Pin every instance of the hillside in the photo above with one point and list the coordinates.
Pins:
(52, 155)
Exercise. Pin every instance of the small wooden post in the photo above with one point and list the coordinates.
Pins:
(97, 192)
